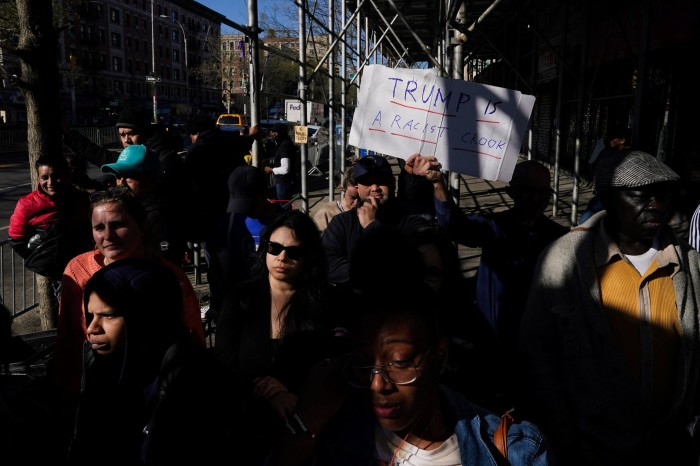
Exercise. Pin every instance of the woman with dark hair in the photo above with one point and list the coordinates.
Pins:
(272, 328)
(143, 376)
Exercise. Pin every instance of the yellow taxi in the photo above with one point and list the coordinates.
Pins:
(231, 122)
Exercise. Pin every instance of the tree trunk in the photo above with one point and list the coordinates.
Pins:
(48, 304)
(40, 86)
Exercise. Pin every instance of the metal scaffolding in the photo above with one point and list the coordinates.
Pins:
(590, 64)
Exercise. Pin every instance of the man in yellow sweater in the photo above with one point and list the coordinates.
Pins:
(610, 336)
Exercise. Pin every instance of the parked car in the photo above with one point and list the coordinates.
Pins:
(179, 124)
(276, 112)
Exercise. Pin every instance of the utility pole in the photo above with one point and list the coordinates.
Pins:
(153, 65)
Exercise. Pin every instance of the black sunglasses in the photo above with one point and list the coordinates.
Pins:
(293, 252)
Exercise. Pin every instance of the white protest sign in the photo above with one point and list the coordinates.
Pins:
(475, 129)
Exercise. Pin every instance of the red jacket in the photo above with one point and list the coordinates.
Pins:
(33, 211)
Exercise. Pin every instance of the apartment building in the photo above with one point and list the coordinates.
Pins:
(121, 53)
(235, 63)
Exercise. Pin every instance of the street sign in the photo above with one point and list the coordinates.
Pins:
(152, 79)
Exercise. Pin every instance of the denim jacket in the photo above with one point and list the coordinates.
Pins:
(350, 442)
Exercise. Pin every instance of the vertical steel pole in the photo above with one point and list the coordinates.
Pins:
(153, 64)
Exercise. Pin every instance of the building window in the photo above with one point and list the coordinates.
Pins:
(116, 64)
(176, 56)
(101, 36)
(175, 35)
(129, 66)
(114, 15)
(118, 87)
(176, 74)
(116, 40)
(128, 43)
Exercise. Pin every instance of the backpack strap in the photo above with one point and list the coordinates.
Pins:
(500, 438)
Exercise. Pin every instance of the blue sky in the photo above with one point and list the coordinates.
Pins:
(237, 10)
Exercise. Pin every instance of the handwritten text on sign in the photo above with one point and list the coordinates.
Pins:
(471, 128)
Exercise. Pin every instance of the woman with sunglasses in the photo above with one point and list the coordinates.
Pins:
(272, 328)
(383, 404)
(119, 230)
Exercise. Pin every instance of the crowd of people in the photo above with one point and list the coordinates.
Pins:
(351, 337)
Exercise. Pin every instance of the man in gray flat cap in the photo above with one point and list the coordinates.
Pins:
(610, 339)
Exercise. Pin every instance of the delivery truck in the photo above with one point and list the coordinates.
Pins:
(314, 111)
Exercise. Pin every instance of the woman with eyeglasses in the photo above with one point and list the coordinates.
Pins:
(383, 403)
(273, 327)
(119, 231)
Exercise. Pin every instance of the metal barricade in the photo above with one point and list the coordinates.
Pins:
(13, 140)
(17, 284)
(16, 140)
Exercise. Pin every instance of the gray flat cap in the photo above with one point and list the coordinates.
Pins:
(632, 169)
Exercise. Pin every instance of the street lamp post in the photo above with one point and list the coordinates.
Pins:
(153, 65)
(187, 69)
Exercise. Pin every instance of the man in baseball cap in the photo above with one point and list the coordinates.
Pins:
(378, 207)
(136, 167)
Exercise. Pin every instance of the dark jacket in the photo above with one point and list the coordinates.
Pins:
(509, 253)
(285, 149)
(209, 162)
(145, 405)
(171, 209)
(344, 232)
(244, 346)
(62, 224)
(243, 340)
(168, 225)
